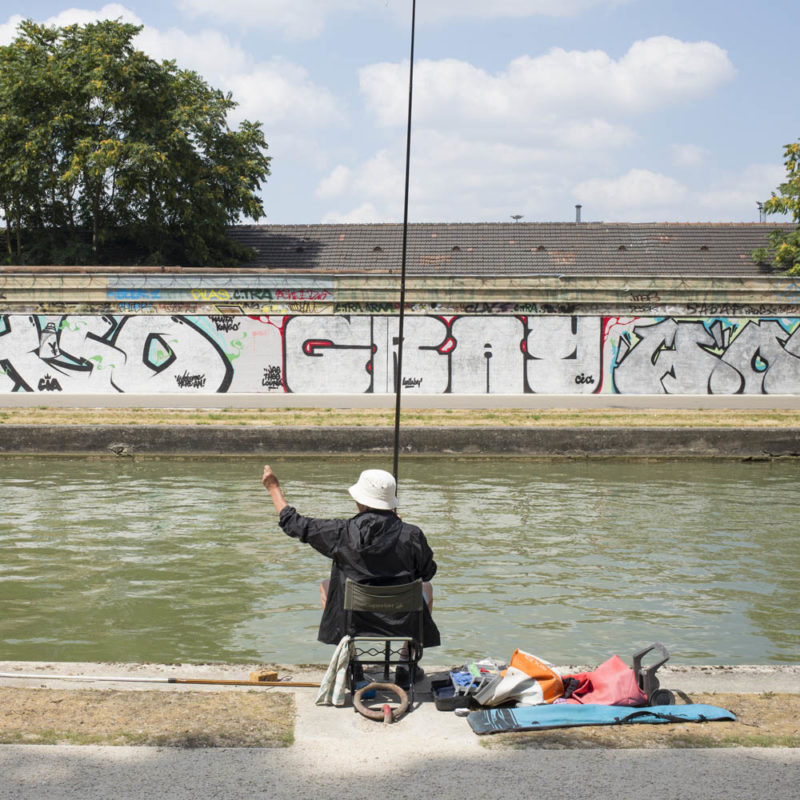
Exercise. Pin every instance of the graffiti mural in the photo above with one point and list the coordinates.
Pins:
(462, 355)
(711, 356)
(352, 354)
(107, 354)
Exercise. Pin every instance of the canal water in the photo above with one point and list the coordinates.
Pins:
(183, 561)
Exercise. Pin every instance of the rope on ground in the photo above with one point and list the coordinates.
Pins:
(378, 714)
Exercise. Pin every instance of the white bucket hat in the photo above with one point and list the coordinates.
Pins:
(375, 489)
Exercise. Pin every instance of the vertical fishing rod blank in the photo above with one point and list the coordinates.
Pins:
(399, 372)
(135, 679)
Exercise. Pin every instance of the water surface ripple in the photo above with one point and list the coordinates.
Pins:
(183, 561)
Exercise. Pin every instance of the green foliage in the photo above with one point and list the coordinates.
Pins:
(783, 251)
(109, 156)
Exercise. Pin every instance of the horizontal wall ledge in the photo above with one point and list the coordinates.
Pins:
(268, 400)
(121, 441)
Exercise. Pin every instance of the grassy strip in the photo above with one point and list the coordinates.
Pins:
(299, 417)
(259, 718)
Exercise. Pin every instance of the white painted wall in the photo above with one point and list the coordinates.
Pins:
(337, 354)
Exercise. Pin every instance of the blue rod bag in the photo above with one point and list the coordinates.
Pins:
(568, 715)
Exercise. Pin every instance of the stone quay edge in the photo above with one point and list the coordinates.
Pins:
(522, 442)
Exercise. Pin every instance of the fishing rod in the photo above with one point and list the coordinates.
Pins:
(399, 372)
(133, 679)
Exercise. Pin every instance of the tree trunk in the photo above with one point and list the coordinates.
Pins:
(19, 235)
(70, 211)
(96, 219)
(4, 207)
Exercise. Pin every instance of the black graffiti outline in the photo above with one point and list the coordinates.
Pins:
(487, 347)
(527, 388)
(763, 371)
(444, 348)
(56, 363)
(109, 338)
(664, 346)
(724, 333)
(311, 346)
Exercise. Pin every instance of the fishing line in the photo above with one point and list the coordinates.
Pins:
(399, 369)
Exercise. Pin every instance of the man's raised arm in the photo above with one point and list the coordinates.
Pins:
(271, 484)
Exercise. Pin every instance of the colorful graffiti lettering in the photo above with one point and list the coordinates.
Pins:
(349, 354)
(719, 356)
(107, 354)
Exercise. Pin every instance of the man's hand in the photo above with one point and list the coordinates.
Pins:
(269, 478)
(270, 481)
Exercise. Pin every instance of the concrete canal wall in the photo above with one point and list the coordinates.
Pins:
(205, 334)
(153, 441)
(460, 354)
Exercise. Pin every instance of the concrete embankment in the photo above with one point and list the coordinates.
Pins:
(525, 442)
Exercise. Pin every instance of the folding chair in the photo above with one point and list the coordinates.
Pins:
(370, 649)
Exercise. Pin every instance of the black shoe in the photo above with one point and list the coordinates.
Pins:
(402, 679)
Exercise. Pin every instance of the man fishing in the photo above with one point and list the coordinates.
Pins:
(374, 547)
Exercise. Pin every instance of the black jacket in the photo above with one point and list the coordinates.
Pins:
(374, 547)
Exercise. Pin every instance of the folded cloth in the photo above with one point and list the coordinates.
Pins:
(333, 689)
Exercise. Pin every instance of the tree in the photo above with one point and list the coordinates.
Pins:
(106, 154)
(783, 251)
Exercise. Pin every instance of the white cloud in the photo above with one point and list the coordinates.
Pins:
(633, 196)
(296, 19)
(8, 30)
(688, 155)
(742, 190)
(641, 195)
(71, 16)
(207, 52)
(457, 178)
(282, 95)
(279, 93)
(334, 184)
(654, 73)
(305, 19)
(533, 138)
(365, 213)
(445, 9)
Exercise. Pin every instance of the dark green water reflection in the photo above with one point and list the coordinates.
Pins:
(183, 560)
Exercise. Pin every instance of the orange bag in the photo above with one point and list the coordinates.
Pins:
(528, 681)
(544, 674)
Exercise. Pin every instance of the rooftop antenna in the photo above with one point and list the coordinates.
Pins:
(760, 210)
(399, 371)
(517, 217)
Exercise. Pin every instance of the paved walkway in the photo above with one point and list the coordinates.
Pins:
(428, 754)
(410, 400)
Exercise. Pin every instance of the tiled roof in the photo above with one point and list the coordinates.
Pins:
(534, 248)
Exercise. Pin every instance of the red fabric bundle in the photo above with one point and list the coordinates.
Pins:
(613, 683)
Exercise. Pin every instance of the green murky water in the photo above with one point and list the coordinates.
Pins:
(183, 560)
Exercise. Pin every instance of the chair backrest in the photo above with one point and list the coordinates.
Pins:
(405, 598)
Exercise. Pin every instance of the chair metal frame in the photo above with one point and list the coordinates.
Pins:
(372, 649)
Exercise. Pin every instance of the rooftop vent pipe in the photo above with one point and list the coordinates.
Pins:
(578, 208)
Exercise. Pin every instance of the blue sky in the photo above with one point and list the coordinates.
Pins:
(640, 110)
